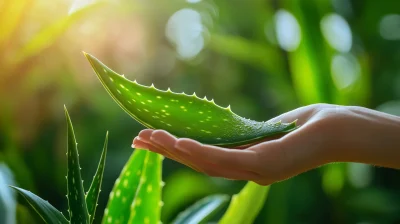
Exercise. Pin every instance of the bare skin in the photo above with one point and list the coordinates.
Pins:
(327, 133)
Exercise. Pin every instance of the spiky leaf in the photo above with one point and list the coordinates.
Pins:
(246, 205)
(183, 115)
(146, 207)
(202, 211)
(94, 190)
(46, 211)
(124, 190)
(76, 196)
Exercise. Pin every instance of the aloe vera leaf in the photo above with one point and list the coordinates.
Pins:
(45, 210)
(124, 190)
(146, 207)
(183, 115)
(202, 211)
(92, 195)
(76, 196)
(246, 205)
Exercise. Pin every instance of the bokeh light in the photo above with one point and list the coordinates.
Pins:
(345, 70)
(287, 30)
(185, 30)
(389, 27)
(337, 32)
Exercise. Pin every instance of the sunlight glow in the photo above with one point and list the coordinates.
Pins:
(79, 4)
(345, 70)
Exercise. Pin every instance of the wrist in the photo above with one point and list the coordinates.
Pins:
(369, 136)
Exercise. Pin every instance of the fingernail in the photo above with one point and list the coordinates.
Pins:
(133, 146)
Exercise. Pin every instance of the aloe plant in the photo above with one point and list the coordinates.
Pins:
(183, 115)
(82, 206)
(136, 196)
(245, 205)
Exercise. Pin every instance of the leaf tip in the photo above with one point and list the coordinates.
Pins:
(66, 113)
(87, 55)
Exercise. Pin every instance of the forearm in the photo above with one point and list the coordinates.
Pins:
(371, 137)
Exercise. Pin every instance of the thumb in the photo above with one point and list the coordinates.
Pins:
(301, 114)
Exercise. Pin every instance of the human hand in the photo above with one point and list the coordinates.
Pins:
(327, 133)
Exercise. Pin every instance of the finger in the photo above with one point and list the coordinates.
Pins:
(164, 138)
(166, 141)
(138, 142)
(216, 170)
(157, 149)
(145, 134)
(227, 158)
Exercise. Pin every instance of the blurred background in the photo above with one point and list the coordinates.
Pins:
(264, 57)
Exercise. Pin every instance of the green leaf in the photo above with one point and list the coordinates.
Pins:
(203, 210)
(124, 190)
(92, 195)
(8, 199)
(76, 196)
(46, 211)
(246, 205)
(146, 207)
(247, 51)
(183, 115)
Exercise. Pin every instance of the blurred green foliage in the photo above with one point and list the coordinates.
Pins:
(263, 57)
